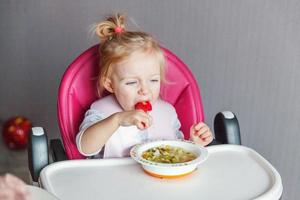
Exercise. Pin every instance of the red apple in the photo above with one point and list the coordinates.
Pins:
(16, 131)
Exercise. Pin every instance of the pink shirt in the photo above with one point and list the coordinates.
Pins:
(165, 125)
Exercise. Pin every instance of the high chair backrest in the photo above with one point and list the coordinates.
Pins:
(78, 90)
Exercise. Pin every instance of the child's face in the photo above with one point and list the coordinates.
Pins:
(135, 79)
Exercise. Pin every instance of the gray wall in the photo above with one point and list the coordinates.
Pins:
(245, 55)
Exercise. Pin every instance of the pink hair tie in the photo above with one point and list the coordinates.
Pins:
(118, 29)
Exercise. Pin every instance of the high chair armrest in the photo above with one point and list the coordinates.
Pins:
(37, 152)
(57, 150)
(226, 128)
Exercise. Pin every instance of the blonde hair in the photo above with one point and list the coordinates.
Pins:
(117, 44)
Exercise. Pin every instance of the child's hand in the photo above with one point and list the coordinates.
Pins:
(201, 134)
(139, 118)
(13, 188)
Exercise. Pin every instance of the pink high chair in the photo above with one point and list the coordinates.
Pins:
(230, 172)
(78, 90)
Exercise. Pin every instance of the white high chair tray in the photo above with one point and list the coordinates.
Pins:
(231, 172)
(37, 193)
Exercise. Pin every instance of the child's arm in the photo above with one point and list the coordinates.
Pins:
(200, 134)
(97, 135)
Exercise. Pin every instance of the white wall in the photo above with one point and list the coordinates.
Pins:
(245, 55)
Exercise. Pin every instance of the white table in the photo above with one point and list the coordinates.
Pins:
(231, 172)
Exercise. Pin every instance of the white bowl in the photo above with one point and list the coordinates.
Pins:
(166, 170)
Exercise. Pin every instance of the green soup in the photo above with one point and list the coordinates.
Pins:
(168, 154)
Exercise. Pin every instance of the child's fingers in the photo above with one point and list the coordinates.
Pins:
(208, 139)
(140, 126)
(150, 119)
(145, 116)
(202, 131)
(147, 121)
(140, 119)
(205, 135)
(199, 126)
(142, 123)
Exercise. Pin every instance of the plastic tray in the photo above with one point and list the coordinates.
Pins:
(231, 172)
(37, 193)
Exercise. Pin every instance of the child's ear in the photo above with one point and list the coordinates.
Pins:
(108, 85)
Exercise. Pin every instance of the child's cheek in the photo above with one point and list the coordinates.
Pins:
(156, 92)
(127, 100)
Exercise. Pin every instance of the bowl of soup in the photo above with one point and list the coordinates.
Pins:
(169, 158)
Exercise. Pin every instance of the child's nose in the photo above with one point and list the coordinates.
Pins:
(143, 90)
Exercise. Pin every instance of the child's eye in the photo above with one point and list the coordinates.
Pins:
(154, 80)
(130, 82)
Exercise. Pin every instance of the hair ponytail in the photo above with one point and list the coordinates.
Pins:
(110, 27)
